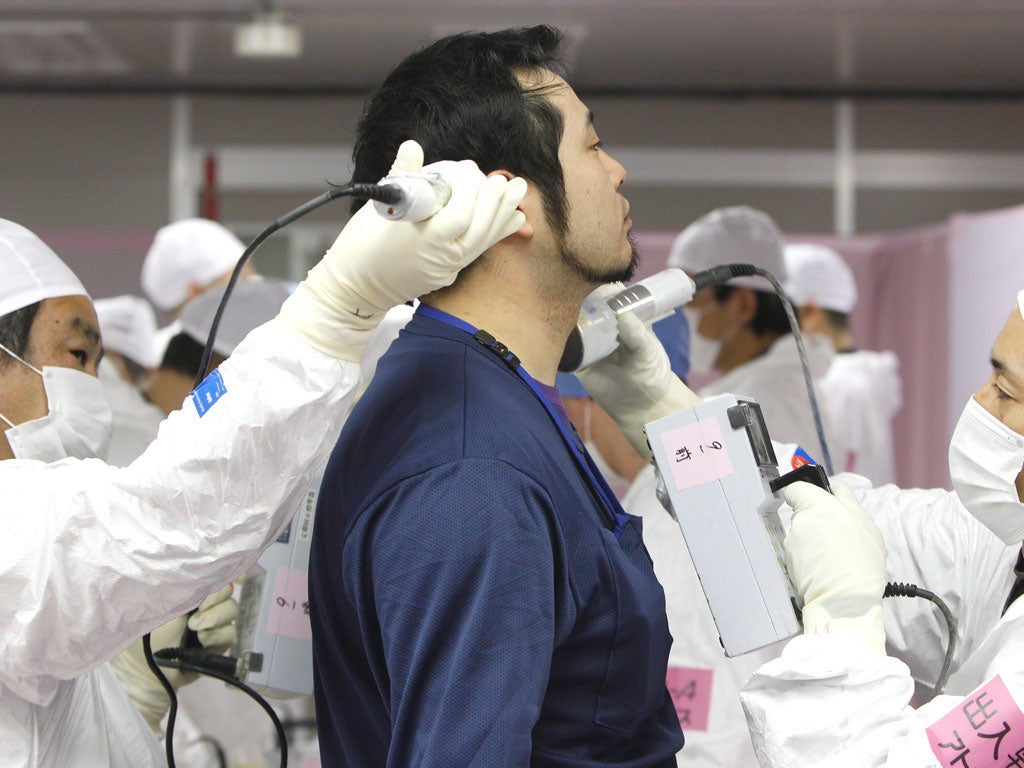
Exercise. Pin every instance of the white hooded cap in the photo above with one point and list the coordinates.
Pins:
(817, 274)
(30, 271)
(128, 325)
(185, 252)
(253, 302)
(737, 235)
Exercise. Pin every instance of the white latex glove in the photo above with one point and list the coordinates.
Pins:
(212, 621)
(635, 383)
(836, 560)
(376, 264)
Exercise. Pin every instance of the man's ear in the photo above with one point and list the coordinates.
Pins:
(527, 229)
(744, 301)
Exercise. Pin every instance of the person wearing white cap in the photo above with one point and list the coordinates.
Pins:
(840, 693)
(94, 556)
(862, 387)
(49, 330)
(186, 258)
(740, 330)
(128, 324)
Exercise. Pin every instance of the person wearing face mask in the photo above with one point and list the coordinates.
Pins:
(740, 330)
(94, 555)
(840, 693)
(862, 387)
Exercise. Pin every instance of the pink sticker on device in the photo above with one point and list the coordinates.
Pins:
(289, 609)
(697, 453)
(984, 730)
(690, 689)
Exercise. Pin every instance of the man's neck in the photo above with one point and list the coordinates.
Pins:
(533, 324)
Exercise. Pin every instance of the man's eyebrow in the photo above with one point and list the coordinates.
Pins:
(86, 329)
(1001, 368)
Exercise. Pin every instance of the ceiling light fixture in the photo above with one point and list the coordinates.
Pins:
(270, 35)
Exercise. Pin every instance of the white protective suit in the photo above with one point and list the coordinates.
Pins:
(211, 710)
(775, 379)
(86, 542)
(862, 392)
(704, 683)
(828, 702)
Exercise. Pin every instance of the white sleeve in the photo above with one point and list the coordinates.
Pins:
(826, 702)
(95, 556)
(935, 543)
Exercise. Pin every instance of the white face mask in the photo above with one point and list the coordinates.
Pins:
(79, 422)
(985, 457)
(703, 351)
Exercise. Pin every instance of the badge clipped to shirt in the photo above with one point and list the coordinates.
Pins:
(209, 391)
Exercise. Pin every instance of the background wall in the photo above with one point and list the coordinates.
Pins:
(96, 175)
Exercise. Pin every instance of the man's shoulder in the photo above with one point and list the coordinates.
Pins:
(433, 402)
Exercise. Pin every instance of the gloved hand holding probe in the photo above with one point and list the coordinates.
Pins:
(376, 264)
(213, 621)
(635, 384)
(836, 560)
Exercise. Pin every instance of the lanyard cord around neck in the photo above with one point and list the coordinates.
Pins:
(610, 504)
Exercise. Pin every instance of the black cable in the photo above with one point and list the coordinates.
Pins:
(725, 272)
(167, 659)
(386, 194)
(895, 589)
(147, 651)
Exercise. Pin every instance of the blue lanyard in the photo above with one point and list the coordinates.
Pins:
(611, 504)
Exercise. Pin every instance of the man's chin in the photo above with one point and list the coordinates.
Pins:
(620, 273)
(627, 272)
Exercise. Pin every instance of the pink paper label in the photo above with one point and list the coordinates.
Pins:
(289, 609)
(697, 454)
(690, 689)
(985, 730)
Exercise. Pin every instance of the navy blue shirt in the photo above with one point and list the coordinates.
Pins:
(470, 602)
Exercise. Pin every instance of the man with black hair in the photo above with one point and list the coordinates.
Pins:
(862, 386)
(478, 596)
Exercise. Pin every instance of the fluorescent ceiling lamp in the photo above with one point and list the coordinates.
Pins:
(268, 36)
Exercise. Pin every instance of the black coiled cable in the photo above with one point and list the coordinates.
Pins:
(896, 589)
